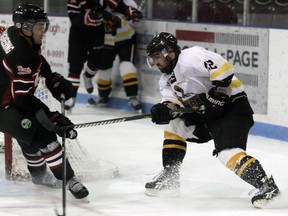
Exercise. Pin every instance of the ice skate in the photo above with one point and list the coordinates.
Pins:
(135, 104)
(167, 183)
(78, 190)
(88, 83)
(46, 178)
(266, 193)
(69, 104)
(101, 102)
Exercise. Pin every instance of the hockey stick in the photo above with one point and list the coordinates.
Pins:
(64, 171)
(42, 118)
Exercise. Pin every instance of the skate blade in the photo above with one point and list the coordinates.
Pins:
(93, 103)
(263, 203)
(82, 201)
(260, 203)
(162, 193)
(69, 111)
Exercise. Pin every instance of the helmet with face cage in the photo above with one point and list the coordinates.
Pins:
(161, 44)
(162, 41)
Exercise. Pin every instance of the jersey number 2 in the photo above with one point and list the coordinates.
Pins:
(210, 65)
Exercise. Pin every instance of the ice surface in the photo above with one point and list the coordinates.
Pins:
(207, 188)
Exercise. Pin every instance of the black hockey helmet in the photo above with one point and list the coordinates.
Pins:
(27, 15)
(160, 44)
(162, 41)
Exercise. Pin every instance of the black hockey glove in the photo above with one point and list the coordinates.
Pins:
(162, 112)
(133, 14)
(58, 85)
(61, 120)
(215, 103)
(111, 20)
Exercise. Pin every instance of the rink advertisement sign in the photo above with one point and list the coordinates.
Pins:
(55, 46)
(245, 48)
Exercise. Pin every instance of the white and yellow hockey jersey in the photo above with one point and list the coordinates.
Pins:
(196, 72)
(125, 32)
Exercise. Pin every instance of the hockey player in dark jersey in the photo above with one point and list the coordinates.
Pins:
(21, 67)
(205, 82)
(119, 41)
(86, 36)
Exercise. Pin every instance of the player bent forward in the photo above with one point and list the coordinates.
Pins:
(20, 68)
(205, 82)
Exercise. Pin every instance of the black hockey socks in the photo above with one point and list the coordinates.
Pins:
(174, 149)
(251, 171)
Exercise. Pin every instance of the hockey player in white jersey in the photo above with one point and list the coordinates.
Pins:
(204, 81)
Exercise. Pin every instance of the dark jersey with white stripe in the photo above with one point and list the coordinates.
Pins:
(20, 69)
(79, 9)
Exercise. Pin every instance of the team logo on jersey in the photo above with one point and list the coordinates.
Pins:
(181, 93)
(26, 123)
(23, 71)
(172, 78)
